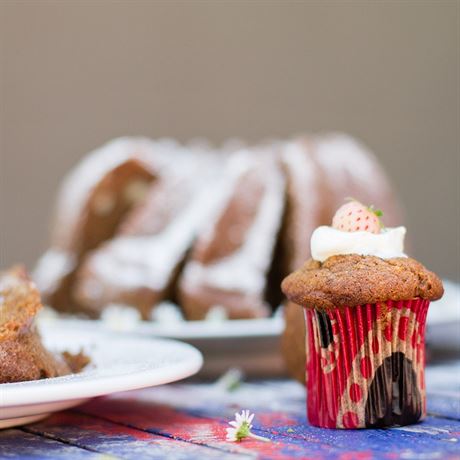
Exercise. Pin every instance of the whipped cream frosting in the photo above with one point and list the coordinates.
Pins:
(328, 241)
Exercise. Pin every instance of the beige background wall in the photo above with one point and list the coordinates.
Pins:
(75, 74)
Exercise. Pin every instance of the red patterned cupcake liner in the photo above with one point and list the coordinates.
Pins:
(365, 365)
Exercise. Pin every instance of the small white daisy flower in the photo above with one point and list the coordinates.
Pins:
(240, 428)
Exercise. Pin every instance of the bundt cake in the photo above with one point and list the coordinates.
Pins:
(22, 354)
(231, 258)
(201, 227)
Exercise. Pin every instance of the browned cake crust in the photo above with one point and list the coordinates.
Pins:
(139, 266)
(108, 203)
(198, 300)
(22, 355)
(305, 206)
(348, 169)
(94, 290)
(76, 361)
(25, 358)
(94, 199)
(293, 341)
(19, 302)
(350, 280)
(249, 217)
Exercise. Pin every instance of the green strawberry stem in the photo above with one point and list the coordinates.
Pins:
(377, 212)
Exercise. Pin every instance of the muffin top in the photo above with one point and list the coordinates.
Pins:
(352, 279)
(357, 261)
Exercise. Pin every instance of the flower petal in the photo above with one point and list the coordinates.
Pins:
(231, 434)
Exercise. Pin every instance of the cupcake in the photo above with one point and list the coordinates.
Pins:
(365, 305)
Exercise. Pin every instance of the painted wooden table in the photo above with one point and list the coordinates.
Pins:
(188, 421)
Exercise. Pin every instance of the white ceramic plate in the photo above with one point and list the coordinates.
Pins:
(119, 362)
(250, 345)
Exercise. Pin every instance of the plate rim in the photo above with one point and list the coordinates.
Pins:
(185, 330)
(36, 392)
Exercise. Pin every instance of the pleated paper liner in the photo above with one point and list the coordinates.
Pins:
(366, 364)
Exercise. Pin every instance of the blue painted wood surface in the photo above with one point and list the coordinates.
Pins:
(188, 421)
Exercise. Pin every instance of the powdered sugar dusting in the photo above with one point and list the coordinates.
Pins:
(130, 262)
(167, 313)
(296, 158)
(51, 268)
(245, 270)
(351, 169)
(118, 317)
(341, 156)
(77, 185)
(305, 203)
(236, 165)
(160, 156)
